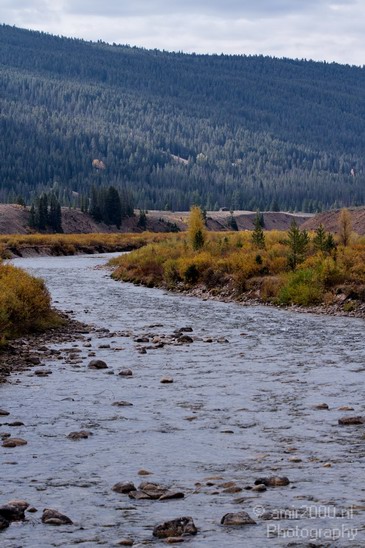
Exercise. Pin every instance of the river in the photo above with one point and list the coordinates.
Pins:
(241, 407)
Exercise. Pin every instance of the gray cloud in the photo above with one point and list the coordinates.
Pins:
(312, 29)
(227, 8)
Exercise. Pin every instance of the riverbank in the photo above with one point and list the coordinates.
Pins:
(31, 351)
(55, 245)
(357, 309)
(234, 268)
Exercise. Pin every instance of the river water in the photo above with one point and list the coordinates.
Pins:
(236, 411)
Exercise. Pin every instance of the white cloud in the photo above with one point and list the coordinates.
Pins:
(313, 29)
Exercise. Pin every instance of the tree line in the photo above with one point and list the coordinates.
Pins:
(105, 205)
(244, 132)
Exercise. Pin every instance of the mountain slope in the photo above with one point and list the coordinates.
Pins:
(236, 131)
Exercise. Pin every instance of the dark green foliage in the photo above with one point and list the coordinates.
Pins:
(142, 219)
(55, 215)
(297, 241)
(247, 132)
(258, 236)
(113, 207)
(110, 206)
(46, 213)
(199, 240)
(323, 241)
(20, 201)
(191, 274)
(232, 223)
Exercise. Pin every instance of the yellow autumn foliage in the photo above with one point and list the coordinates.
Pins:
(25, 304)
(230, 261)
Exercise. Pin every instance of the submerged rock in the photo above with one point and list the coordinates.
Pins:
(274, 481)
(53, 517)
(83, 434)
(175, 528)
(154, 491)
(347, 421)
(14, 442)
(321, 406)
(237, 519)
(122, 404)
(126, 373)
(4, 413)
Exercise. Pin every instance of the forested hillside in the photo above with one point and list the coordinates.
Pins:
(245, 132)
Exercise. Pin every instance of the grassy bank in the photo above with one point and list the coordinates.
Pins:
(72, 244)
(25, 304)
(273, 271)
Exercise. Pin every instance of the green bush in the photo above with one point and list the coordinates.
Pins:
(302, 288)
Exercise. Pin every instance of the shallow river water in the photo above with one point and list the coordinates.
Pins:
(237, 411)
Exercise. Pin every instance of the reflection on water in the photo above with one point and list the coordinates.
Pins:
(236, 411)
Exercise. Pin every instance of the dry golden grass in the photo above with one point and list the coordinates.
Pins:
(232, 261)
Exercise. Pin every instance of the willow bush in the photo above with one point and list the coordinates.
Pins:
(25, 304)
(232, 262)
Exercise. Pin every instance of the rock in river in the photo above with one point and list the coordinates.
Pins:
(4, 413)
(124, 488)
(97, 364)
(237, 519)
(3, 523)
(346, 421)
(53, 517)
(175, 528)
(274, 481)
(82, 435)
(14, 442)
(12, 512)
(166, 380)
(126, 373)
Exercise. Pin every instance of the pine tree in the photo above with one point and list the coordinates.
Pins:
(42, 212)
(33, 217)
(258, 236)
(113, 209)
(298, 242)
(55, 215)
(319, 240)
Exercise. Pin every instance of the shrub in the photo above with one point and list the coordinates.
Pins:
(25, 304)
(302, 287)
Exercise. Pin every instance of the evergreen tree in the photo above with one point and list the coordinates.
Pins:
(55, 214)
(42, 220)
(95, 210)
(33, 217)
(232, 223)
(113, 209)
(142, 220)
(323, 241)
(298, 243)
(258, 236)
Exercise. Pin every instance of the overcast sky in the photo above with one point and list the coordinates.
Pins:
(331, 30)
